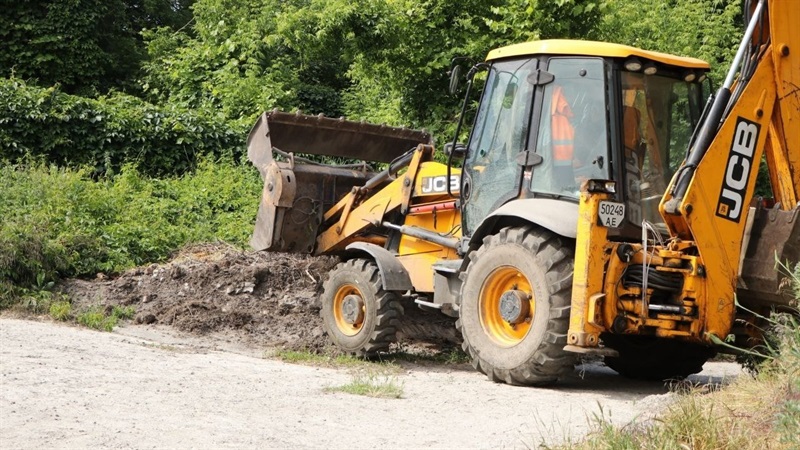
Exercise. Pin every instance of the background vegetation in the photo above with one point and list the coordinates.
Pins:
(61, 222)
(106, 132)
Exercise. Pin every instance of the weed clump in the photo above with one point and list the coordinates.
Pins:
(61, 311)
(104, 319)
(371, 384)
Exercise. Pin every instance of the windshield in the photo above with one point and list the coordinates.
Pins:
(573, 130)
(500, 133)
(658, 116)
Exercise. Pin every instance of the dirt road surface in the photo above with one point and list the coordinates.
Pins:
(148, 387)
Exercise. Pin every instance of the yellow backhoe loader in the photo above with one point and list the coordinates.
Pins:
(600, 208)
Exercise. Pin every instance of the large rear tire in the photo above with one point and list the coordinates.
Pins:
(361, 317)
(514, 306)
(648, 358)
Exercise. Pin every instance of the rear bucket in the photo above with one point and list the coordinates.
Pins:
(297, 191)
(774, 237)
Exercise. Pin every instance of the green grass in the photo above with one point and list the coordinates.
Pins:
(370, 378)
(61, 310)
(310, 358)
(389, 362)
(98, 318)
(123, 312)
(371, 384)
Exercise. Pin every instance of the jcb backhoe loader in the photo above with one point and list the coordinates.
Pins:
(579, 221)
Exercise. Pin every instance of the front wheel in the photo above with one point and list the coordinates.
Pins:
(514, 311)
(361, 317)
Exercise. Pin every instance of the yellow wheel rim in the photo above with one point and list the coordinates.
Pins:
(500, 281)
(347, 328)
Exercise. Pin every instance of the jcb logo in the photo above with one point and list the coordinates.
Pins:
(431, 185)
(737, 172)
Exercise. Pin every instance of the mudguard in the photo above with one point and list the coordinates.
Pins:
(558, 216)
(394, 276)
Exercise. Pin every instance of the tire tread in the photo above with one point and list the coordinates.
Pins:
(549, 361)
(388, 308)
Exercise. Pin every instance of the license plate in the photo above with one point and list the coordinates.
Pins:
(611, 214)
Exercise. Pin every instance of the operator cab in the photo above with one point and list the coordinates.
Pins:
(556, 113)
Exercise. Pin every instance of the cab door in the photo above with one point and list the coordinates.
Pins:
(491, 174)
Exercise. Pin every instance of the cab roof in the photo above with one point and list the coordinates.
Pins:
(592, 48)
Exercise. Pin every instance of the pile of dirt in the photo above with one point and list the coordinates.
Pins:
(268, 298)
(265, 299)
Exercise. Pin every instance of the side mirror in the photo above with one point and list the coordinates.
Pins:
(455, 74)
(459, 150)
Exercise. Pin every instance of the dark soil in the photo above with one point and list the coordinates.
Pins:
(266, 299)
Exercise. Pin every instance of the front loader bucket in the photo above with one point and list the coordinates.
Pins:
(298, 191)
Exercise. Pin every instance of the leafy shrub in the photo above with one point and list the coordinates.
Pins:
(123, 312)
(60, 310)
(104, 319)
(97, 320)
(107, 132)
(60, 222)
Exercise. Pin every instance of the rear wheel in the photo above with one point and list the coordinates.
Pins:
(359, 315)
(514, 311)
(648, 358)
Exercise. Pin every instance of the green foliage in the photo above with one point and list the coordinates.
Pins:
(123, 312)
(95, 318)
(37, 301)
(527, 20)
(234, 63)
(60, 222)
(368, 59)
(104, 319)
(61, 310)
(403, 50)
(86, 46)
(788, 422)
(108, 132)
(705, 29)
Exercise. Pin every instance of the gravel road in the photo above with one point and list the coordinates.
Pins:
(148, 387)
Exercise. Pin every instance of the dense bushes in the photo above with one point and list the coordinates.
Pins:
(87, 46)
(59, 222)
(107, 132)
